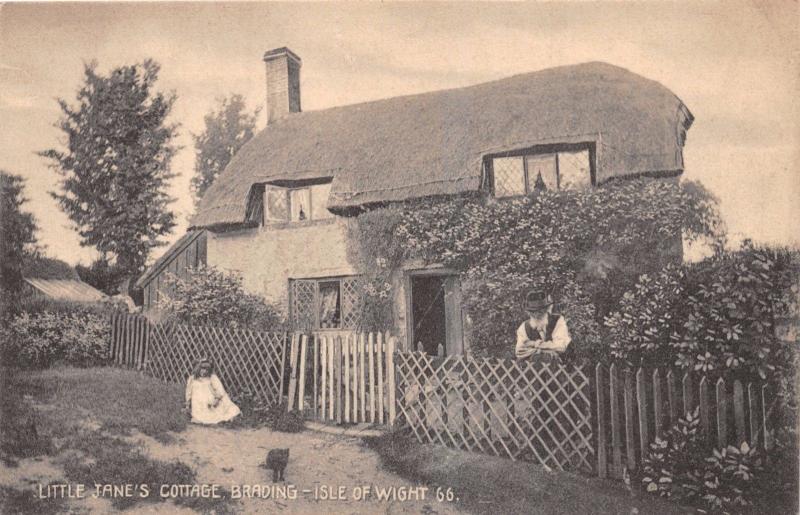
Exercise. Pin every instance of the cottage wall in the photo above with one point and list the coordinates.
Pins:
(267, 257)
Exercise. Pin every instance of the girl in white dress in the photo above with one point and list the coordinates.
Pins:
(206, 398)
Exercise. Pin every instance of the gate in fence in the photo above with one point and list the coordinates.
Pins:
(538, 412)
(343, 378)
(246, 361)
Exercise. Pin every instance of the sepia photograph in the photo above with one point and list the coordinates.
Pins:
(400, 257)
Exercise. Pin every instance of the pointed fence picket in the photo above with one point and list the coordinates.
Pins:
(630, 414)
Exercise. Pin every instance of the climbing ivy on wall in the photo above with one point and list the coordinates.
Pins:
(586, 247)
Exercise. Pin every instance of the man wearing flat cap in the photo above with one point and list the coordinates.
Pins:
(544, 336)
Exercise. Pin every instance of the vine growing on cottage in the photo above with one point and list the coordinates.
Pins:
(586, 246)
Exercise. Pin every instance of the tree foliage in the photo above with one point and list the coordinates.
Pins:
(209, 296)
(18, 232)
(106, 277)
(116, 164)
(43, 267)
(227, 128)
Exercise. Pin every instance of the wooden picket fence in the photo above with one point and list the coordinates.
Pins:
(635, 407)
(344, 378)
(130, 337)
(538, 412)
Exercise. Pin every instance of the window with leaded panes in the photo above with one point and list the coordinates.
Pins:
(296, 204)
(527, 172)
(330, 303)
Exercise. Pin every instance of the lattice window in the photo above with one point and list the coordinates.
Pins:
(527, 172)
(304, 304)
(326, 303)
(277, 201)
(351, 300)
(509, 176)
(574, 172)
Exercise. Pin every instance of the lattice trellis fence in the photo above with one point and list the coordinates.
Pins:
(538, 412)
(245, 361)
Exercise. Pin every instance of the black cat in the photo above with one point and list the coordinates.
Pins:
(276, 461)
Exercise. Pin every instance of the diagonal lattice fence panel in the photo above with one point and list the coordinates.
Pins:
(245, 361)
(538, 412)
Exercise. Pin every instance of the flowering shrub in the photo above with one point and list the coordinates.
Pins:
(209, 296)
(716, 315)
(41, 339)
(585, 246)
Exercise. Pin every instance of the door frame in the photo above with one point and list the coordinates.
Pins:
(408, 275)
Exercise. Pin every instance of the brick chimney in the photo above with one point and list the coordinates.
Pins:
(283, 83)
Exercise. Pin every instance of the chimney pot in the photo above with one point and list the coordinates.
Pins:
(283, 83)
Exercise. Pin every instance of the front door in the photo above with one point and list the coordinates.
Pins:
(435, 322)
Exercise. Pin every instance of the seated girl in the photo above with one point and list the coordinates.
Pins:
(206, 399)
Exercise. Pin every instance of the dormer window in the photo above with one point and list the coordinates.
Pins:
(296, 203)
(568, 167)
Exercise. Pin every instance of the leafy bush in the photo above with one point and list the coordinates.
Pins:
(716, 315)
(75, 335)
(209, 296)
(679, 467)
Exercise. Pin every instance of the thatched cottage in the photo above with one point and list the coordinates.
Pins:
(276, 215)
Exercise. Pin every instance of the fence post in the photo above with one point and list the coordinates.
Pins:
(362, 388)
(337, 362)
(722, 414)
(302, 366)
(331, 378)
(315, 373)
(752, 398)
(658, 404)
(688, 393)
(630, 447)
(672, 393)
(292, 372)
(346, 352)
(738, 412)
(616, 430)
(641, 397)
(379, 364)
(705, 409)
(323, 341)
(602, 458)
(391, 378)
(371, 350)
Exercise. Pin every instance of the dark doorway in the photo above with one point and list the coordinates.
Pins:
(428, 310)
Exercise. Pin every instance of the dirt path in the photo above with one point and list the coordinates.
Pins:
(231, 457)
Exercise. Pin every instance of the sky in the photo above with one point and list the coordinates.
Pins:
(734, 64)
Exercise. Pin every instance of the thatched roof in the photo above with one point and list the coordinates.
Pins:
(434, 143)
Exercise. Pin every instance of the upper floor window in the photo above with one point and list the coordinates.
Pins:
(526, 172)
(296, 204)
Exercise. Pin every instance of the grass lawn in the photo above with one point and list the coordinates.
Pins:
(77, 417)
(489, 485)
(119, 400)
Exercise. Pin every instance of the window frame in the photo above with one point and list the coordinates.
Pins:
(317, 302)
(287, 187)
(523, 153)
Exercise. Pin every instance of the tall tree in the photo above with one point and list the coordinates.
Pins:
(18, 238)
(116, 165)
(227, 128)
